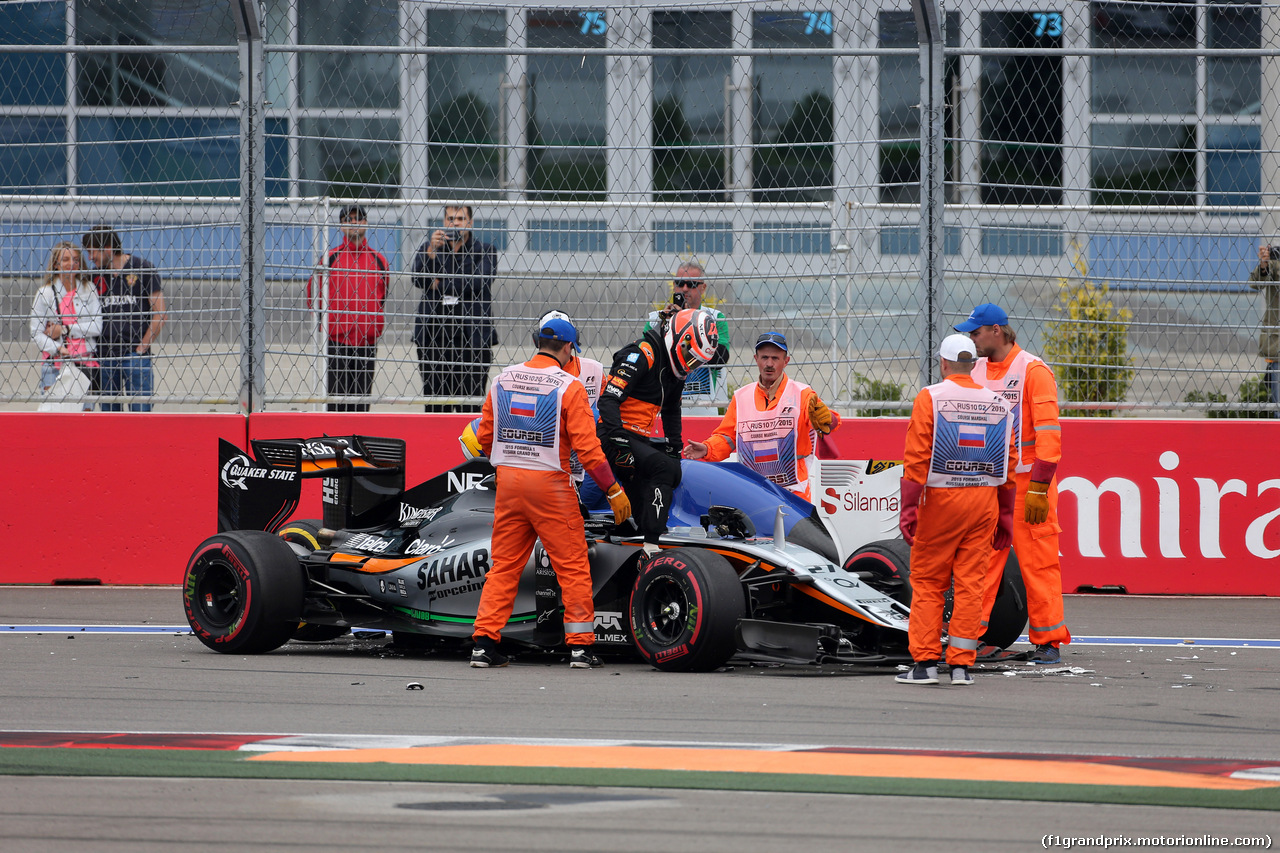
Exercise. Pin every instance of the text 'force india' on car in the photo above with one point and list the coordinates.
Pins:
(413, 562)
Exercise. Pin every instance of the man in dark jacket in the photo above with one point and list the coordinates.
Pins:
(454, 328)
(356, 301)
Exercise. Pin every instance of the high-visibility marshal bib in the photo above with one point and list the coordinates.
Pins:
(526, 416)
(766, 441)
(1012, 387)
(972, 428)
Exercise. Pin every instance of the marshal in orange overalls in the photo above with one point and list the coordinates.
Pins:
(956, 521)
(535, 495)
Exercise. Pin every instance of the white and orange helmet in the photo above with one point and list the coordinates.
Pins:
(691, 340)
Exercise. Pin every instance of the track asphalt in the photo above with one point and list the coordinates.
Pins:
(1175, 725)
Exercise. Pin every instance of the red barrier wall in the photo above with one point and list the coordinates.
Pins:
(110, 497)
(1153, 506)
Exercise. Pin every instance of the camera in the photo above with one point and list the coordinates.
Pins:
(453, 235)
(1273, 253)
(677, 298)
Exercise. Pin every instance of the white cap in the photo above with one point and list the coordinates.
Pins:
(955, 347)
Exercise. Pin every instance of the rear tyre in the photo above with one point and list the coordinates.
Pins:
(685, 607)
(886, 565)
(1009, 613)
(243, 592)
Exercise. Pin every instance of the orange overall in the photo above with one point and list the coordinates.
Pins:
(1040, 439)
(952, 545)
(535, 502)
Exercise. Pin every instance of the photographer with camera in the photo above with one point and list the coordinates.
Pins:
(704, 389)
(1265, 279)
(454, 328)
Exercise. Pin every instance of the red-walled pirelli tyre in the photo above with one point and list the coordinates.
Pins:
(685, 607)
(243, 592)
(887, 567)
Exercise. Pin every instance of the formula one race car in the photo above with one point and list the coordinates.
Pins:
(413, 562)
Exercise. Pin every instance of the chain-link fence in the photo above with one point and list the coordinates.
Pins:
(1104, 172)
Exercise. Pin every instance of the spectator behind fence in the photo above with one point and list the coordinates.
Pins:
(704, 389)
(66, 317)
(1265, 278)
(454, 328)
(133, 312)
(357, 296)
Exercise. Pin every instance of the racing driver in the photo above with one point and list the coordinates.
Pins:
(644, 385)
(533, 416)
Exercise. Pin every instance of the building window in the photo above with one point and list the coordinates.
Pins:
(33, 79)
(691, 93)
(368, 80)
(793, 113)
(899, 119)
(465, 109)
(1138, 156)
(567, 156)
(114, 79)
(1021, 125)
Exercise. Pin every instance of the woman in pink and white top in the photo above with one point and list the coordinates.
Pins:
(66, 316)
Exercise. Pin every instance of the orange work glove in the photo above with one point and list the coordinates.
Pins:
(619, 503)
(1036, 508)
(819, 415)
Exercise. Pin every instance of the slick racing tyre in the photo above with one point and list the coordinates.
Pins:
(1009, 613)
(685, 607)
(243, 592)
(886, 566)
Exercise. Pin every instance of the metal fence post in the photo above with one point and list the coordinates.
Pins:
(932, 103)
(253, 190)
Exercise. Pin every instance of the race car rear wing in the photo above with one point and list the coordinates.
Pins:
(363, 477)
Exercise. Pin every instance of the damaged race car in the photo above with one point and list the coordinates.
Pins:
(747, 570)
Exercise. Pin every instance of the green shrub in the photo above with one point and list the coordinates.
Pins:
(1088, 348)
(878, 391)
(1252, 390)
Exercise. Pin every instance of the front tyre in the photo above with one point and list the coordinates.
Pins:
(685, 607)
(243, 592)
(886, 567)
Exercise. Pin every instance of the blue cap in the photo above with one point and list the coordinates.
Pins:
(560, 330)
(776, 339)
(986, 314)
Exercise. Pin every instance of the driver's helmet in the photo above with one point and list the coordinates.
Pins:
(470, 443)
(691, 340)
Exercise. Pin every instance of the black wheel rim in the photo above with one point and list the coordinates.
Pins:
(218, 593)
(665, 608)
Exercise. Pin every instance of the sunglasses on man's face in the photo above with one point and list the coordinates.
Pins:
(688, 282)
